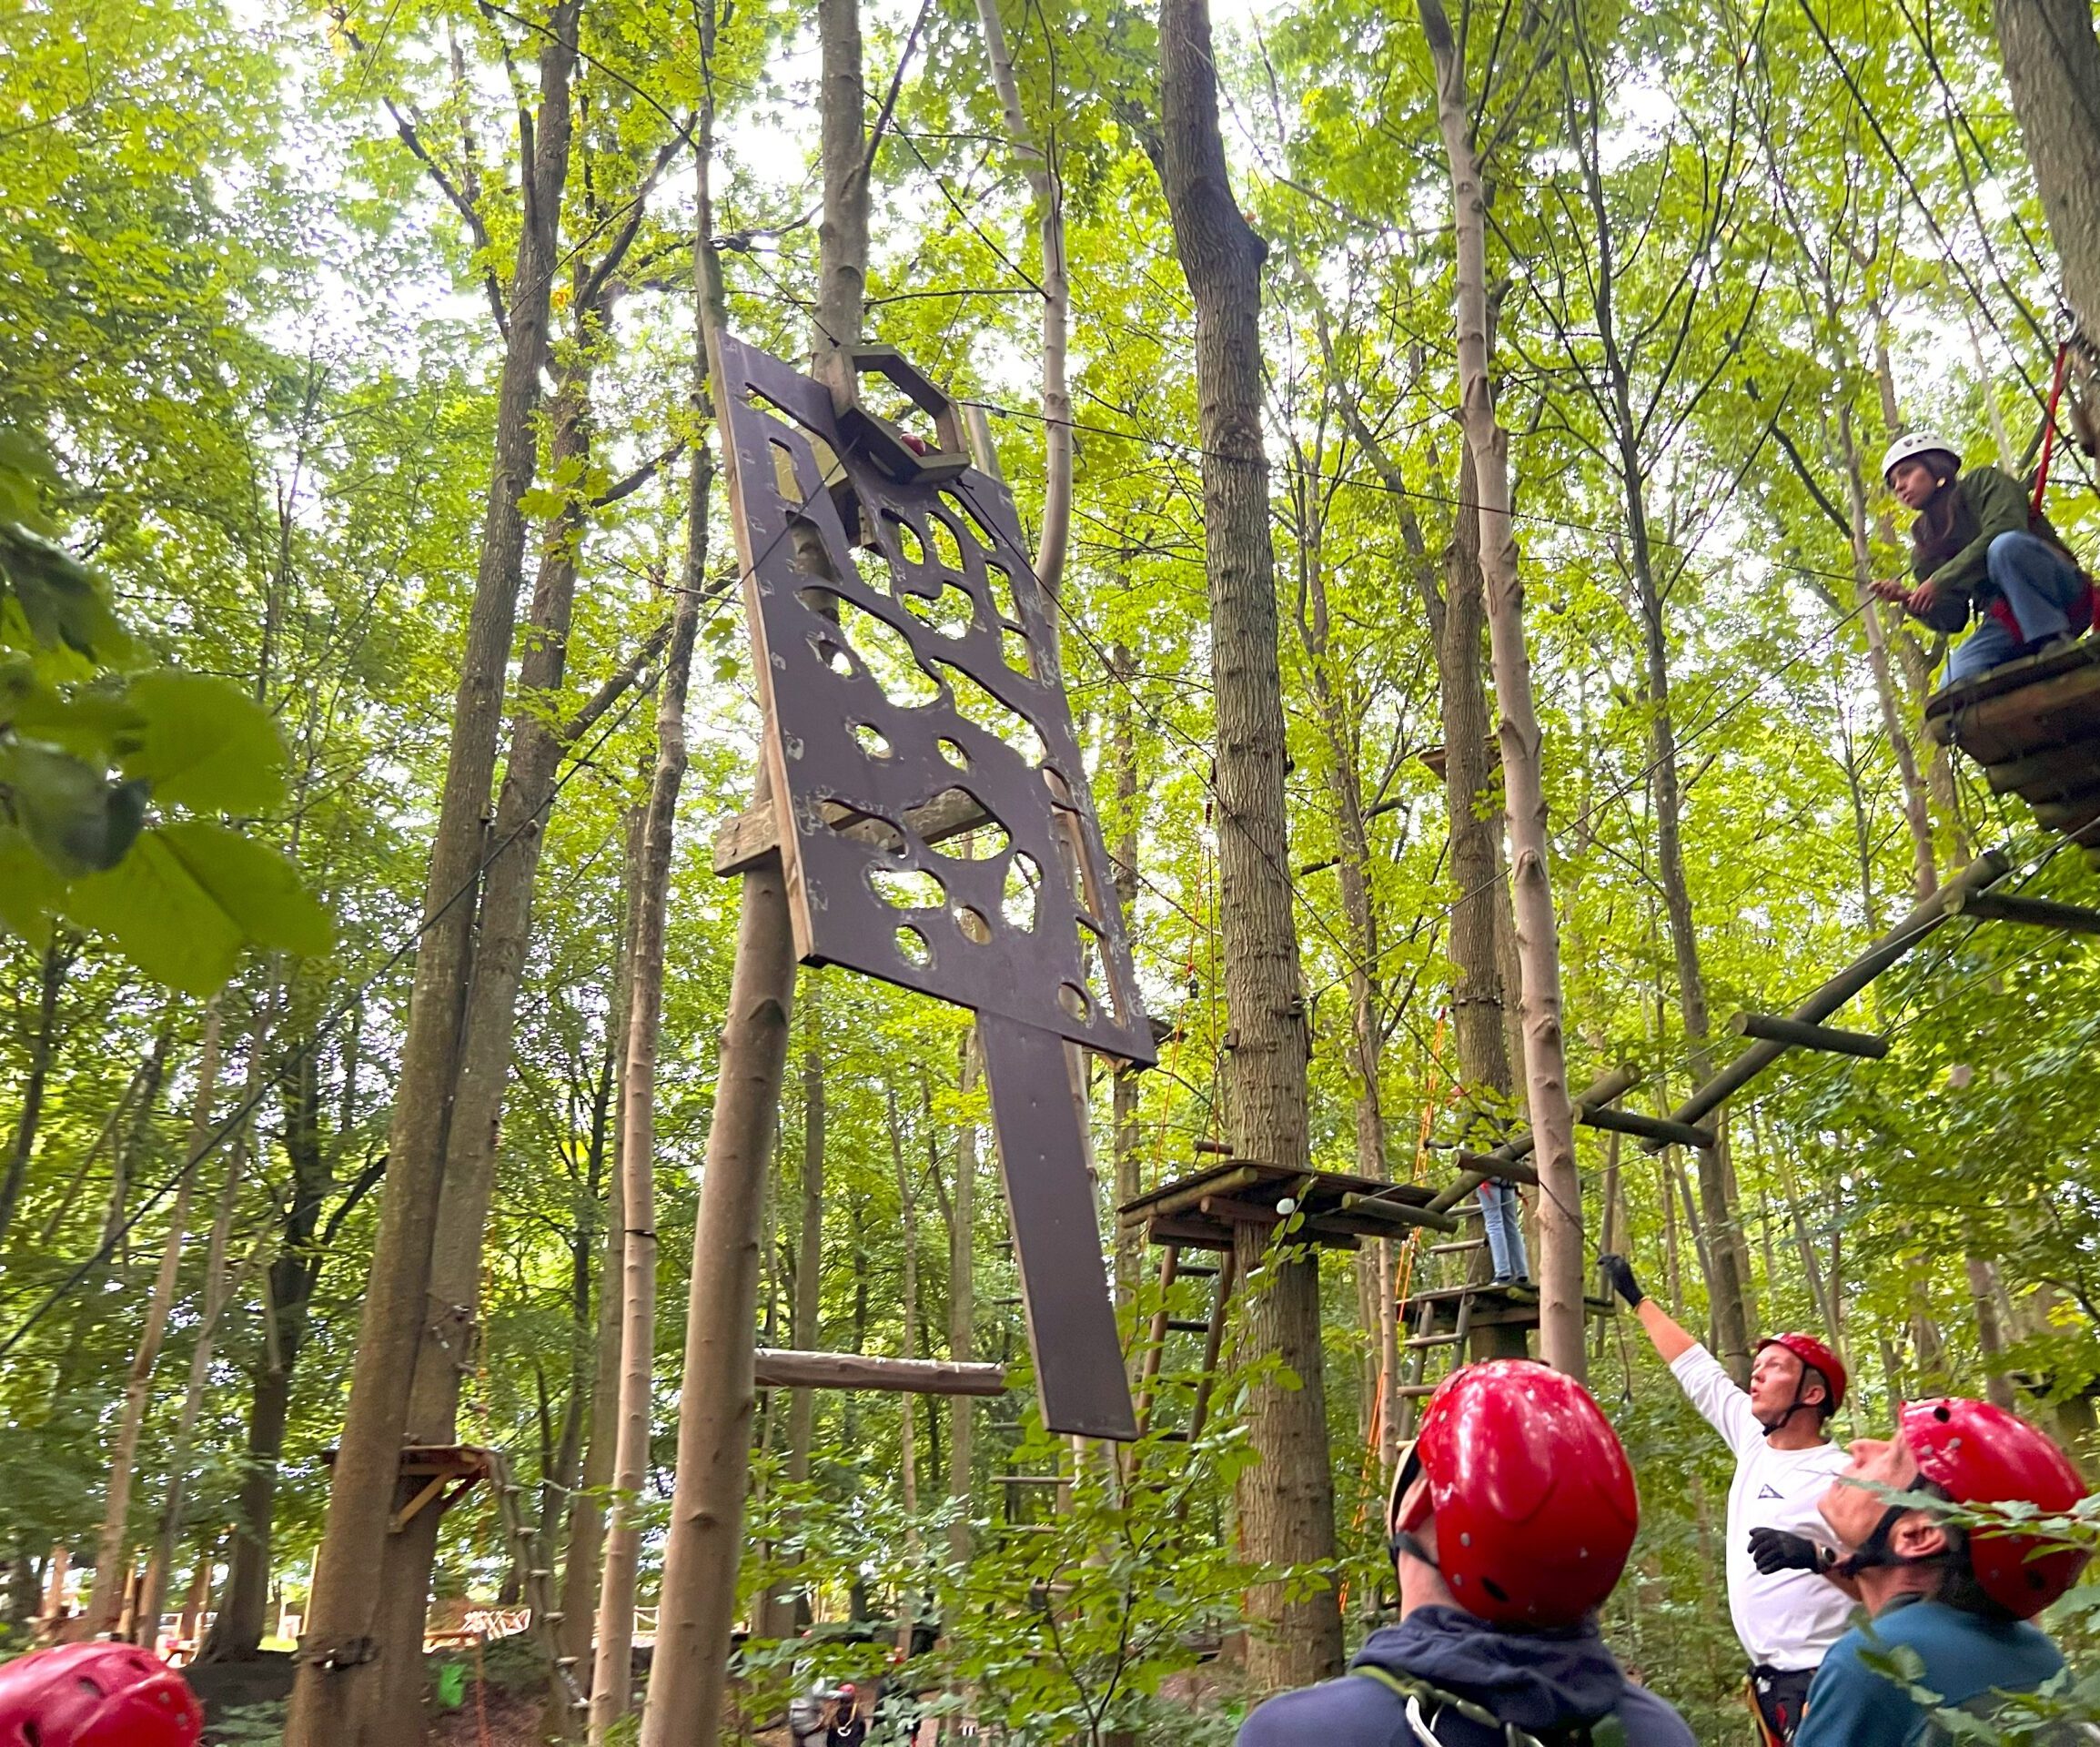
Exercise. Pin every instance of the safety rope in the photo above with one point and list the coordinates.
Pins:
(2049, 426)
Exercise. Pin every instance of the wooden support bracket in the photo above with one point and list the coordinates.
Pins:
(1775, 1029)
(2036, 913)
(1660, 1129)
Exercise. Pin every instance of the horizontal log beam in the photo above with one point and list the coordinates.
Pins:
(1658, 1129)
(1987, 869)
(1242, 1176)
(1615, 1083)
(779, 1369)
(1388, 1212)
(1508, 1170)
(1793, 1033)
(2034, 913)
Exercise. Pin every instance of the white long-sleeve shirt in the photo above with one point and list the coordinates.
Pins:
(1788, 1619)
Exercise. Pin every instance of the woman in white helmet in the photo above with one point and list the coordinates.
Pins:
(1979, 549)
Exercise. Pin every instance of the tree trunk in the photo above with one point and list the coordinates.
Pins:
(243, 1618)
(697, 1604)
(1286, 1498)
(2052, 65)
(1049, 198)
(218, 1291)
(56, 961)
(907, 1408)
(1536, 932)
(1122, 1087)
(112, 1545)
(808, 1248)
(611, 1676)
(341, 1697)
(1990, 1331)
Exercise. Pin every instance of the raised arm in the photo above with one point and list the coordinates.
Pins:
(1723, 1405)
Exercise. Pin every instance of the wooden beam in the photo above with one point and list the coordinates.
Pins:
(779, 1369)
(1792, 1033)
(1987, 869)
(2035, 913)
(1388, 1212)
(1243, 1178)
(1658, 1129)
(1616, 1083)
(1509, 1170)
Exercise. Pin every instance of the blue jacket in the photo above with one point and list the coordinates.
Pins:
(1959, 1656)
(1546, 1682)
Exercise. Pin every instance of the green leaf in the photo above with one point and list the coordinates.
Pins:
(203, 743)
(75, 819)
(160, 918)
(181, 905)
(30, 891)
(256, 887)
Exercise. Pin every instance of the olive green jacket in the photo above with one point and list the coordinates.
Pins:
(2001, 508)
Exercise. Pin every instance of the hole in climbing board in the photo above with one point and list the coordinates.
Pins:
(872, 740)
(878, 648)
(907, 888)
(980, 709)
(973, 925)
(913, 949)
(959, 825)
(1023, 893)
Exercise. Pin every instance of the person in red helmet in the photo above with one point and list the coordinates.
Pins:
(1957, 1601)
(1787, 1608)
(1510, 1521)
(96, 1695)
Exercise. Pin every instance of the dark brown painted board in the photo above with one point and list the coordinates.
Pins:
(1071, 1335)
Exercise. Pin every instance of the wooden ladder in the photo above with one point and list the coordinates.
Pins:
(540, 1597)
(1224, 1275)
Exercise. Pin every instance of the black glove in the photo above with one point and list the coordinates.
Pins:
(1774, 1550)
(1618, 1276)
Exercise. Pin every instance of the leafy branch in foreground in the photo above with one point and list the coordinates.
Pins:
(111, 770)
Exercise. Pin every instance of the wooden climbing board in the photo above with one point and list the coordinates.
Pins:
(2034, 727)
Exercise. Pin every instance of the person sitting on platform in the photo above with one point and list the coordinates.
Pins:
(1978, 548)
(1952, 1606)
(1786, 1611)
(1509, 1522)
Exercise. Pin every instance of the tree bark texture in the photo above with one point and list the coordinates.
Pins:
(609, 1682)
(341, 1696)
(842, 230)
(1286, 1499)
(50, 977)
(1537, 931)
(963, 1306)
(112, 1544)
(2052, 65)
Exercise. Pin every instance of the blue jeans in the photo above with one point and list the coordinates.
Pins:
(2040, 585)
(1503, 1216)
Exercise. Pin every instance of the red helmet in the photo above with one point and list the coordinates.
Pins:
(1980, 1454)
(1812, 1352)
(96, 1695)
(1532, 1495)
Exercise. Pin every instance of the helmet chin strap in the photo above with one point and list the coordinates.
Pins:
(1875, 1553)
(1793, 1407)
(1401, 1544)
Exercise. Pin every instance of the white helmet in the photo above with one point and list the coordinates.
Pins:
(1918, 442)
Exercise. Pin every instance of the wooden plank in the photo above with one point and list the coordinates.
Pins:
(2051, 772)
(1190, 1231)
(1776, 1029)
(744, 841)
(1179, 1198)
(778, 1368)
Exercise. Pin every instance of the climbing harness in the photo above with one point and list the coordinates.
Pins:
(1606, 1732)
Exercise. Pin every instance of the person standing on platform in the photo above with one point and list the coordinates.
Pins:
(1786, 1608)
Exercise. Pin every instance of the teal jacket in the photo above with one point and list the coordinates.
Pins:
(1961, 1658)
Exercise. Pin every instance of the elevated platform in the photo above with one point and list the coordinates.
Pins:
(1492, 1321)
(1202, 1211)
(2034, 727)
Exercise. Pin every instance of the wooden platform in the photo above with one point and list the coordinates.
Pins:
(1498, 1325)
(1202, 1211)
(2034, 727)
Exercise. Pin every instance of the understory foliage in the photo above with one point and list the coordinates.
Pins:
(251, 258)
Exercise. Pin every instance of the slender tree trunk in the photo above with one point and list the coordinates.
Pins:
(112, 1544)
(2053, 66)
(610, 1676)
(1122, 1087)
(1536, 932)
(1286, 1498)
(1044, 185)
(583, 1560)
(808, 1246)
(218, 1290)
(907, 1415)
(717, 1397)
(56, 961)
(334, 1704)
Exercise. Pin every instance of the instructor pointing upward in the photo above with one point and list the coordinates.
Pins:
(1785, 1611)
